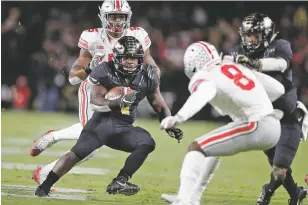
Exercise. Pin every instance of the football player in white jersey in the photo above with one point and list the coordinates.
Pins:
(95, 46)
(233, 90)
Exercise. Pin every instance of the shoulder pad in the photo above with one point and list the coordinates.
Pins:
(283, 49)
(99, 73)
(141, 35)
(152, 76)
(86, 38)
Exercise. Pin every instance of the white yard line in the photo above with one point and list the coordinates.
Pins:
(49, 153)
(17, 187)
(75, 170)
(52, 196)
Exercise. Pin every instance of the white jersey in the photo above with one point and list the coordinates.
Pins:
(96, 41)
(238, 92)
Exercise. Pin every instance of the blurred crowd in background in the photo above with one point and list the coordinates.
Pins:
(39, 42)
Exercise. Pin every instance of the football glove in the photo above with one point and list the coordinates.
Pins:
(248, 62)
(125, 99)
(176, 133)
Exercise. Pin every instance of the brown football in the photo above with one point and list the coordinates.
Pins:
(115, 92)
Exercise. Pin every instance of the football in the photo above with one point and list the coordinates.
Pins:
(115, 92)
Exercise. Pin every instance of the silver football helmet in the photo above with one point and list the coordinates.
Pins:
(198, 55)
(115, 16)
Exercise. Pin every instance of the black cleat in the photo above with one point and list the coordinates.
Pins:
(122, 186)
(301, 195)
(41, 192)
(265, 196)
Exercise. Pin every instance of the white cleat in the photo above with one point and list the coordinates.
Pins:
(169, 198)
(42, 143)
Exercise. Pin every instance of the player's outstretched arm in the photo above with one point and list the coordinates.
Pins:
(202, 91)
(80, 69)
(158, 104)
(149, 60)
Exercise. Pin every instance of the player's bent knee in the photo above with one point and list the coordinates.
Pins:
(92, 155)
(146, 148)
(279, 173)
(194, 146)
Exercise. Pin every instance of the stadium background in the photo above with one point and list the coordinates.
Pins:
(39, 45)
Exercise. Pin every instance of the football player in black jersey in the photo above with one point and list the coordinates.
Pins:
(111, 124)
(260, 50)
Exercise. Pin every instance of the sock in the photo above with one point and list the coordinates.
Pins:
(135, 160)
(193, 167)
(274, 184)
(211, 165)
(290, 185)
(51, 179)
(71, 133)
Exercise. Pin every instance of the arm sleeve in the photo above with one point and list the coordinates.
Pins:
(281, 60)
(85, 42)
(145, 39)
(202, 91)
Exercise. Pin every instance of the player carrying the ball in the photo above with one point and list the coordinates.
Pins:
(111, 123)
(95, 46)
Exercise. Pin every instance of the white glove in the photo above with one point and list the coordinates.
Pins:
(170, 121)
(96, 60)
(301, 106)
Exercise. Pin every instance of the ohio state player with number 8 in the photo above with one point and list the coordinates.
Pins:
(233, 90)
(95, 46)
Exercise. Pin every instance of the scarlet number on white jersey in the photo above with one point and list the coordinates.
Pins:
(110, 57)
(93, 30)
(134, 28)
(240, 80)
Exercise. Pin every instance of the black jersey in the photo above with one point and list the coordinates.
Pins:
(278, 48)
(145, 82)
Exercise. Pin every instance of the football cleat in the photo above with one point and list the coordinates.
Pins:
(265, 196)
(122, 186)
(41, 192)
(39, 177)
(42, 143)
(301, 195)
(169, 198)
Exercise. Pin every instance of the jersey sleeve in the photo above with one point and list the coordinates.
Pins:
(283, 50)
(197, 79)
(98, 74)
(153, 79)
(144, 38)
(85, 41)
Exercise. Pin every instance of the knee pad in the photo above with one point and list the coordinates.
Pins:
(279, 173)
(147, 148)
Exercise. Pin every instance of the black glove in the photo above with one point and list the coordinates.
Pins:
(175, 133)
(127, 100)
(248, 62)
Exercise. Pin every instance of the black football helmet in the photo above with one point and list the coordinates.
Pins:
(128, 47)
(262, 28)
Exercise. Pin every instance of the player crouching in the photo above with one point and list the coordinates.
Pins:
(233, 90)
(112, 122)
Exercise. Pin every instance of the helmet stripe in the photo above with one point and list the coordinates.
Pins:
(207, 48)
(118, 5)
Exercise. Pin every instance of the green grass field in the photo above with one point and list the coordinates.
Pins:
(237, 182)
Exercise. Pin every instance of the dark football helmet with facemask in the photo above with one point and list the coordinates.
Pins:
(128, 47)
(257, 32)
